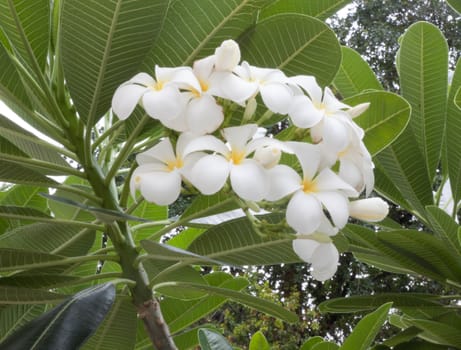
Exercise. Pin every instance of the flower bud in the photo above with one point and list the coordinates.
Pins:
(227, 56)
(268, 156)
(369, 209)
(359, 109)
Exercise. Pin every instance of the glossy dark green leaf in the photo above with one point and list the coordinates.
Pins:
(354, 75)
(13, 317)
(211, 340)
(295, 43)
(103, 44)
(68, 325)
(321, 9)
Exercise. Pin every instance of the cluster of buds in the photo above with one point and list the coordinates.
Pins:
(335, 164)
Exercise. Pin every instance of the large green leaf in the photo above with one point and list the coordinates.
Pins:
(321, 9)
(20, 295)
(11, 259)
(235, 242)
(211, 340)
(453, 130)
(103, 44)
(193, 29)
(455, 5)
(403, 301)
(259, 342)
(438, 332)
(444, 227)
(366, 330)
(15, 316)
(26, 24)
(354, 75)
(423, 68)
(383, 121)
(37, 280)
(246, 299)
(295, 43)
(118, 331)
(68, 325)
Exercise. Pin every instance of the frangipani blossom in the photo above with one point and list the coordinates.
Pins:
(317, 190)
(322, 112)
(160, 172)
(160, 97)
(321, 253)
(248, 178)
(271, 84)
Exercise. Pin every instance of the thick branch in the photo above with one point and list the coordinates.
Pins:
(155, 325)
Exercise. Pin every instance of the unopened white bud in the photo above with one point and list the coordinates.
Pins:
(268, 156)
(227, 56)
(369, 209)
(359, 109)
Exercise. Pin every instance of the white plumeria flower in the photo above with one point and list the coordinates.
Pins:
(321, 111)
(369, 209)
(321, 253)
(248, 177)
(271, 84)
(160, 97)
(160, 172)
(316, 190)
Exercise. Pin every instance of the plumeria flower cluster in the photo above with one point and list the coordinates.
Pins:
(335, 166)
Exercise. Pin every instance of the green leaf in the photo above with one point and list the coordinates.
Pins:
(419, 345)
(354, 75)
(37, 280)
(15, 316)
(19, 295)
(321, 9)
(295, 43)
(235, 242)
(458, 98)
(68, 325)
(179, 314)
(243, 298)
(438, 332)
(11, 259)
(118, 330)
(455, 5)
(203, 206)
(49, 238)
(403, 301)
(210, 340)
(444, 227)
(423, 76)
(259, 342)
(193, 29)
(103, 44)
(325, 345)
(309, 344)
(14, 172)
(366, 330)
(383, 121)
(26, 25)
(453, 130)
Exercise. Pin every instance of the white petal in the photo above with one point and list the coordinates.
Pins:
(308, 156)
(350, 173)
(162, 151)
(335, 134)
(305, 248)
(369, 209)
(227, 55)
(249, 180)
(309, 84)
(204, 67)
(178, 123)
(304, 213)
(161, 188)
(238, 136)
(337, 205)
(331, 102)
(142, 79)
(325, 261)
(210, 173)
(189, 162)
(125, 99)
(277, 97)
(303, 113)
(231, 87)
(204, 115)
(327, 180)
(183, 141)
(185, 79)
(163, 104)
(206, 143)
(283, 180)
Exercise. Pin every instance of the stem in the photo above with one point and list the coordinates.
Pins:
(107, 133)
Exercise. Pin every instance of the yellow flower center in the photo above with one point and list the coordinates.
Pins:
(309, 186)
(237, 157)
(175, 164)
(204, 85)
(158, 86)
